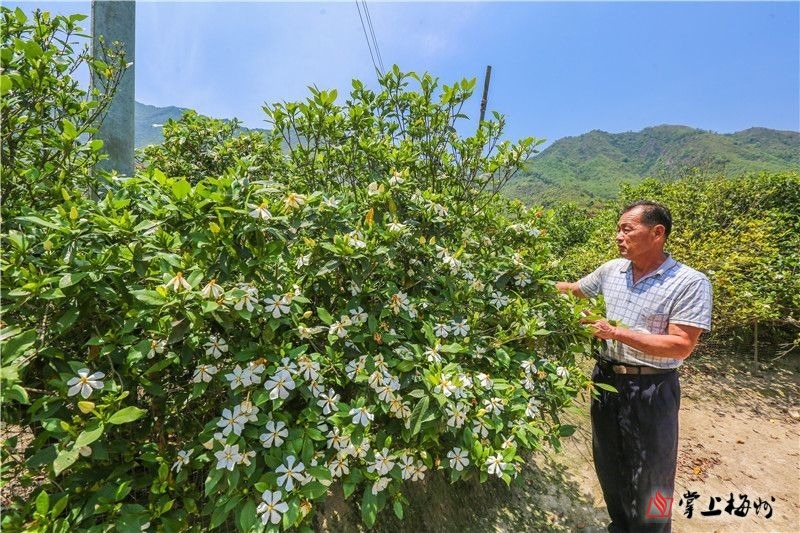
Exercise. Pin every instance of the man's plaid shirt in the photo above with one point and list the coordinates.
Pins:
(672, 294)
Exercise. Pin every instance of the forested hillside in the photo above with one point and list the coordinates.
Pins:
(588, 169)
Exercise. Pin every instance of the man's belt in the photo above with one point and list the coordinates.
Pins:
(640, 370)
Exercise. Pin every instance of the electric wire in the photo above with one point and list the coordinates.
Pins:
(374, 41)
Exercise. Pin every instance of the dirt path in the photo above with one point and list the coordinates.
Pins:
(740, 435)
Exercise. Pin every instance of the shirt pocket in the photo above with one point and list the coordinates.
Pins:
(654, 321)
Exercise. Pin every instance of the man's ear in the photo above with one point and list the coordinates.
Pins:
(660, 231)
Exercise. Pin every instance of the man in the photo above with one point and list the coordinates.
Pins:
(661, 307)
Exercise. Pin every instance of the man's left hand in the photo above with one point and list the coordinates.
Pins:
(602, 329)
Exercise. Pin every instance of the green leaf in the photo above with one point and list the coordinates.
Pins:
(126, 415)
(566, 430)
(212, 479)
(69, 279)
(64, 460)
(246, 515)
(42, 503)
(59, 507)
(417, 414)
(398, 509)
(181, 188)
(605, 386)
(369, 507)
(39, 221)
(93, 431)
(5, 84)
(17, 346)
(325, 316)
(149, 297)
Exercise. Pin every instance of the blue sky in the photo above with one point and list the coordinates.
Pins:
(558, 69)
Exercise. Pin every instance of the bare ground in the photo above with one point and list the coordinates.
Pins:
(740, 435)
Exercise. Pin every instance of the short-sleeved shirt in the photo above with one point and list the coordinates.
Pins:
(671, 294)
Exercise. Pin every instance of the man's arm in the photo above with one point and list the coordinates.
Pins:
(574, 289)
(677, 343)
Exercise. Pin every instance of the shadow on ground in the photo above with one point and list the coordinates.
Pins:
(545, 498)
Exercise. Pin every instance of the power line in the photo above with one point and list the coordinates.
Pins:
(367, 37)
(374, 39)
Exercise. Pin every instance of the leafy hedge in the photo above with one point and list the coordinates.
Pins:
(218, 348)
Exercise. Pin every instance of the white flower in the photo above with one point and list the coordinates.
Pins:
(308, 368)
(361, 416)
(445, 386)
(360, 451)
(477, 285)
(398, 301)
(204, 373)
(246, 457)
(508, 443)
(441, 330)
(183, 459)
(458, 458)
(279, 385)
(396, 179)
(396, 227)
(493, 404)
(372, 189)
(380, 485)
(232, 421)
(215, 346)
(302, 261)
(406, 466)
(276, 305)
(328, 402)
(271, 507)
(212, 290)
(354, 288)
(432, 354)
(238, 377)
(496, 465)
(358, 316)
(156, 347)
(480, 428)
(290, 472)
(275, 435)
(336, 439)
(528, 366)
(399, 408)
(529, 383)
(333, 203)
(228, 457)
(249, 300)
(522, 279)
(419, 472)
(249, 411)
(485, 381)
(84, 383)
(339, 328)
(498, 299)
(562, 372)
(178, 282)
(260, 211)
(338, 467)
(287, 366)
(294, 201)
(460, 328)
(457, 414)
(383, 463)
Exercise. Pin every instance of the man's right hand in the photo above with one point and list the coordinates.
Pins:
(574, 289)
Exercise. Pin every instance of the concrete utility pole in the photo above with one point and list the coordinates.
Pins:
(116, 21)
(485, 92)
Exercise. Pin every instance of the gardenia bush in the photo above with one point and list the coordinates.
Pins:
(193, 351)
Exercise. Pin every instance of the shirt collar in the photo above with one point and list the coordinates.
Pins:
(668, 263)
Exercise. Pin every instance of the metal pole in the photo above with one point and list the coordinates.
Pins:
(485, 92)
(116, 21)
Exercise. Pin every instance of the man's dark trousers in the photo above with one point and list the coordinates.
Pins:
(635, 445)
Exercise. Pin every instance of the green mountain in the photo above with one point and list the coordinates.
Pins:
(148, 122)
(588, 169)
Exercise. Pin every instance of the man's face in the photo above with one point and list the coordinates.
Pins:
(634, 238)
